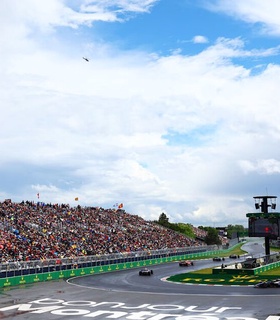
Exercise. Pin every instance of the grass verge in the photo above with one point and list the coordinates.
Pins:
(219, 279)
(205, 276)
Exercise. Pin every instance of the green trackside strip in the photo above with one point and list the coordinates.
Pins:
(65, 274)
(219, 279)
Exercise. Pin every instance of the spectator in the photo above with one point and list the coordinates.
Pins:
(30, 231)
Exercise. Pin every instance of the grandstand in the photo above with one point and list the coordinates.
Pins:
(35, 231)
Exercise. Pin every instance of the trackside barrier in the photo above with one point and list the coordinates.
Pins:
(65, 274)
(255, 271)
(267, 267)
(231, 270)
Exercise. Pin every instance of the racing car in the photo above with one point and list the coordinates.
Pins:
(145, 272)
(268, 284)
(185, 263)
(218, 259)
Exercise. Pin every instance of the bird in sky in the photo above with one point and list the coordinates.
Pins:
(86, 59)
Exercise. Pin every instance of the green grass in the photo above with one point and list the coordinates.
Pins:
(275, 249)
(236, 250)
(203, 271)
(205, 276)
(273, 272)
(219, 279)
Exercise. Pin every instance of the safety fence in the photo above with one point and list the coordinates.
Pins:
(37, 271)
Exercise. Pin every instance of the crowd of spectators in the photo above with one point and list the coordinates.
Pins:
(35, 231)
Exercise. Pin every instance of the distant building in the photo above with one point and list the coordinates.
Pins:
(222, 231)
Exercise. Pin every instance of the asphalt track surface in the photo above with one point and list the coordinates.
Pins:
(126, 295)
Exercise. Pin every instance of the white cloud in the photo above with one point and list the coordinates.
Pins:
(44, 188)
(263, 166)
(118, 6)
(102, 130)
(200, 39)
(31, 14)
(262, 13)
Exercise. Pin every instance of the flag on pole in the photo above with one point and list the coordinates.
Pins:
(120, 205)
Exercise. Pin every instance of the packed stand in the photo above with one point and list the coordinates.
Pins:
(35, 231)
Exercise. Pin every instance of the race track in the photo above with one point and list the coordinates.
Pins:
(130, 281)
(126, 295)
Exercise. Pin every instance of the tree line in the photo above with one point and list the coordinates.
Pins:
(212, 236)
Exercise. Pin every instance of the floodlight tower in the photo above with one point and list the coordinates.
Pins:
(261, 202)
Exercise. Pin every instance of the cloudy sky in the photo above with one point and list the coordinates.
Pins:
(176, 111)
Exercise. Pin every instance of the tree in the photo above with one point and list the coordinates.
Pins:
(212, 236)
(163, 220)
(184, 228)
(238, 229)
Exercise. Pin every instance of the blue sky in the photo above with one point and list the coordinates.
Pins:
(176, 111)
(182, 25)
(170, 25)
